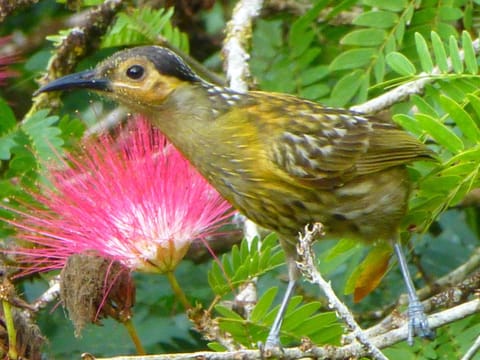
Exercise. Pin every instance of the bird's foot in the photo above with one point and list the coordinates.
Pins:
(273, 342)
(272, 346)
(418, 322)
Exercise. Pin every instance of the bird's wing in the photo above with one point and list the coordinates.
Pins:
(309, 141)
(328, 145)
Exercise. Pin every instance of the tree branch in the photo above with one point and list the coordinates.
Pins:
(239, 31)
(77, 44)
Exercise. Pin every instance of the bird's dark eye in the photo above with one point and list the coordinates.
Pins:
(135, 72)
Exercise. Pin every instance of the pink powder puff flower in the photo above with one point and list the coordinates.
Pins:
(136, 201)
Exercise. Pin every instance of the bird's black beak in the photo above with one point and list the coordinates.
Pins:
(87, 79)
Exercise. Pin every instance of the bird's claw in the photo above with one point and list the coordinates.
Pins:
(418, 322)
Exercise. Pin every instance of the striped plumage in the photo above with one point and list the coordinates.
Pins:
(286, 162)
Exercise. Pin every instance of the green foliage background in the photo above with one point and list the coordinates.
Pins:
(336, 53)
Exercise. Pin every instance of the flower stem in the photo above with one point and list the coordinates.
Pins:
(132, 331)
(177, 290)
(12, 334)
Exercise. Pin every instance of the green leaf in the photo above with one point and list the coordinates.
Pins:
(291, 321)
(216, 278)
(379, 68)
(409, 12)
(390, 45)
(7, 130)
(463, 120)
(364, 37)
(423, 53)
(145, 25)
(235, 258)
(440, 133)
(46, 140)
(7, 142)
(307, 57)
(376, 19)
(302, 43)
(457, 89)
(329, 335)
(475, 103)
(465, 156)
(323, 320)
(400, 64)
(23, 162)
(399, 33)
(72, 130)
(470, 57)
(448, 14)
(408, 123)
(314, 92)
(392, 5)
(347, 87)
(439, 51)
(423, 106)
(468, 15)
(341, 247)
(457, 63)
(214, 346)
(362, 93)
(313, 75)
(445, 30)
(8, 121)
(263, 305)
(228, 313)
(301, 34)
(441, 184)
(459, 171)
(352, 59)
(305, 21)
(244, 263)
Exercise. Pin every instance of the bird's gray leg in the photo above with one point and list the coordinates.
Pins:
(417, 320)
(273, 339)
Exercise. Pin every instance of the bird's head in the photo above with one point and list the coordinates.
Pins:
(140, 78)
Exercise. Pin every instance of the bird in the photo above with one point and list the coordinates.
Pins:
(282, 161)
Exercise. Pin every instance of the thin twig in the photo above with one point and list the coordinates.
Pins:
(48, 296)
(307, 266)
(178, 291)
(132, 331)
(11, 331)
